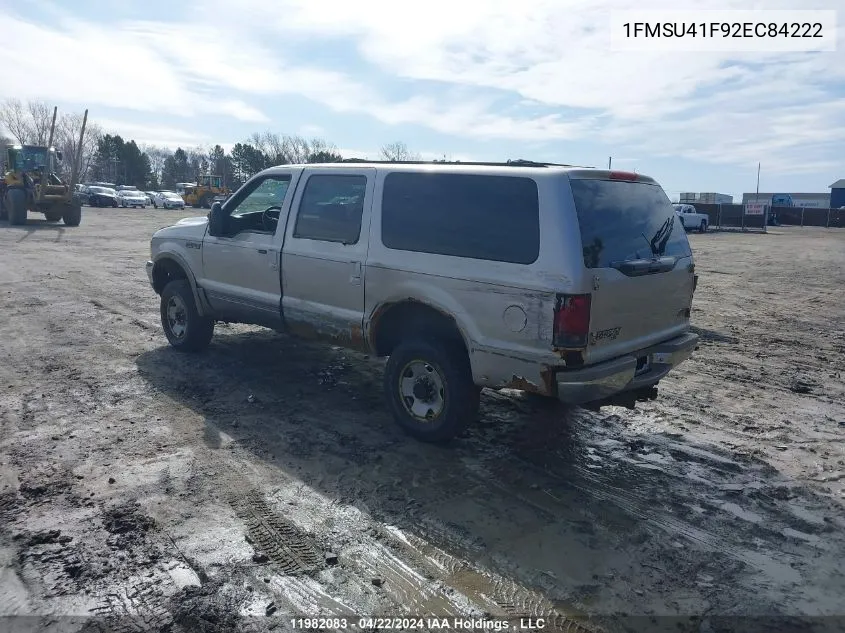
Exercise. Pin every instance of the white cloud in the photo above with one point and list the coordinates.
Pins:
(160, 135)
(557, 54)
(461, 59)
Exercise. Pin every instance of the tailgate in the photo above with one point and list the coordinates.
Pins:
(637, 253)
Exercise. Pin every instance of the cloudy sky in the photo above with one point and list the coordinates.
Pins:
(468, 79)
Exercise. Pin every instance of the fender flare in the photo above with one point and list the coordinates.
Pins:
(199, 298)
(439, 304)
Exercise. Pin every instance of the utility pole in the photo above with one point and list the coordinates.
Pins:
(609, 162)
(757, 193)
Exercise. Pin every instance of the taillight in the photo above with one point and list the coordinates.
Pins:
(572, 321)
(624, 175)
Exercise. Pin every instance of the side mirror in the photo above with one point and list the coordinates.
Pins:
(215, 220)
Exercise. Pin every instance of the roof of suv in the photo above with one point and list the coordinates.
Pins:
(520, 166)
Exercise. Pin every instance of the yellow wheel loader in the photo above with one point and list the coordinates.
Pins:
(205, 193)
(31, 183)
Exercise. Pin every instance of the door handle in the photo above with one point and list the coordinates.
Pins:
(355, 277)
(263, 251)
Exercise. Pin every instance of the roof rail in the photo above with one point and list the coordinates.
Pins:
(519, 162)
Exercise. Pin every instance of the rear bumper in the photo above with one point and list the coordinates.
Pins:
(597, 382)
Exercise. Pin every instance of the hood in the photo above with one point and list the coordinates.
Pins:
(187, 228)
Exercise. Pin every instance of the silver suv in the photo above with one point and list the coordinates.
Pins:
(572, 283)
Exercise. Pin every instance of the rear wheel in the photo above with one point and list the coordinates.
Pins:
(16, 206)
(72, 214)
(703, 227)
(185, 328)
(429, 389)
(207, 200)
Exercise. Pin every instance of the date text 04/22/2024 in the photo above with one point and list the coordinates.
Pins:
(724, 31)
(424, 623)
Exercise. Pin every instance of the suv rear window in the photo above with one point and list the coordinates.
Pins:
(620, 220)
(494, 218)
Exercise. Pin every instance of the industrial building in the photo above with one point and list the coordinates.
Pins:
(807, 200)
(706, 198)
(837, 194)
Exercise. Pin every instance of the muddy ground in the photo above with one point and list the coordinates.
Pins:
(141, 489)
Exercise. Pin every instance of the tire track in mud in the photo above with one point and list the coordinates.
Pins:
(123, 314)
(138, 606)
(414, 576)
(644, 503)
(290, 549)
(481, 590)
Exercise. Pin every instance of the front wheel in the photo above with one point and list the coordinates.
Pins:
(15, 204)
(429, 389)
(185, 328)
(72, 214)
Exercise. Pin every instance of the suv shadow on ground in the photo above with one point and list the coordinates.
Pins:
(570, 503)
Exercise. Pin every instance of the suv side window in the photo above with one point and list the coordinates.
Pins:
(245, 211)
(331, 208)
(495, 218)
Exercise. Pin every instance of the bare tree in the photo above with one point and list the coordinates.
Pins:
(40, 117)
(66, 139)
(287, 149)
(398, 151)
(157, 156)
(297, 149)
(14, 116)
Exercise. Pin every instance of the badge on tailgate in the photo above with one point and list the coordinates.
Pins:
(602, 335)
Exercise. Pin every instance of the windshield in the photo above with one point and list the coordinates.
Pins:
(30, 158)
(110, 192)
(171, 196)
(621, 221)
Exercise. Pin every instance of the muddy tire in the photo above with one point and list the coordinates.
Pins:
(185, 328)
(15, 204)
(72, 214)
(429, 389)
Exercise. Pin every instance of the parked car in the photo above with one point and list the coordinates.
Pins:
(150, 197)
(169, 200)
(101, 197)
(571, 283)
(691, 218)
(132, 198)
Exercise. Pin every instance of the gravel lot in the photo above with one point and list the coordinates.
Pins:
(262, 479)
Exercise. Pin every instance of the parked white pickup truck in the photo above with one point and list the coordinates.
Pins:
(692, 219)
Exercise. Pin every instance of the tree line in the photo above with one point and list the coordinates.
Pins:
(108, 157)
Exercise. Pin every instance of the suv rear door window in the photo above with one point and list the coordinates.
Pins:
(331, 208)
(495, 218)
(622, 221)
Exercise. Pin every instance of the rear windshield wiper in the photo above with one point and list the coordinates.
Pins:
(637, 267)
(661, 237)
